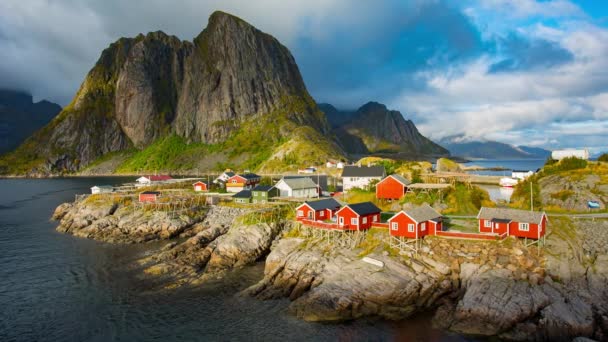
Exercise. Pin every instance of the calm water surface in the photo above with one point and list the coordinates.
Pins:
(55, 287)
(522, 164)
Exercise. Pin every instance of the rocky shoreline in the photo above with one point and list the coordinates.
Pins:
(502, 289)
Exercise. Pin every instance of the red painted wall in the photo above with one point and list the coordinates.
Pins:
(513, 229)
(403, 221)
(147, 198)
(202, 185)
(346, 214)
(389, 188)
(305, 210)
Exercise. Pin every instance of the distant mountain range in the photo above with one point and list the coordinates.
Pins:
(491, 149)
(374, 129)
(20, 117)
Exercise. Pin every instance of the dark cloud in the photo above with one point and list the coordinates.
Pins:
(358, 63)
(524, 54)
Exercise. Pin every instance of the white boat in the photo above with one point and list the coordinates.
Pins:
(508, 182)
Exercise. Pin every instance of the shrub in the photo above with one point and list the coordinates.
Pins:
(603, 157)
(566, 164)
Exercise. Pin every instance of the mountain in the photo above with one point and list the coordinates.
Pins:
(458, 146)
(374, 129)
(20, 117)
(234, 95)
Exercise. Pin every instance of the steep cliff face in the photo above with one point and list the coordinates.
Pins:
(375, 129)
(206, 91)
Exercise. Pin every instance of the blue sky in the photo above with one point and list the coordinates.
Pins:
(517, 71)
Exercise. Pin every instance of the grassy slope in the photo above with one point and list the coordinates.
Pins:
(570, 172)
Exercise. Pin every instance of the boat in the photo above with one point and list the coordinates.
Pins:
(593, 204)
(507, 182)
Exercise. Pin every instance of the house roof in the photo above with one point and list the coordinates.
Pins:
(200, 182)
(249, 176)
(400, 179)
(264, 188)
(510, 214)
(299, 183)
(363, 171)
(229, 173)
(103, 187)
(522, 171)
(421, 213)
(364, 208)
(328, 203)
(242, 194)
(497, 220)
(150, 193)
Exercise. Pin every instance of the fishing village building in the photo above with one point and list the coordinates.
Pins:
(146, 180)
(354, 176)
(263, 193)
(101, 189)
(200, 186)
(359, 216)
(246, 181)
(243, 196)
(318, 210)
(298, 187)
(512, 222)
(149, 196)
(415, 223)
(392, 187)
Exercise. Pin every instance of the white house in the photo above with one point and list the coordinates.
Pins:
(340, 165)
(354, 176)
(102, 189)
(521, 174)
(561, 154)
(330, 165)
(152, 179)
(302, 187)
(224, 177)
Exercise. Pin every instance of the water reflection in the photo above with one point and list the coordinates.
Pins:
(498, 193)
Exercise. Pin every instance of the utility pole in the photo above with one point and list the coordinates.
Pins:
(531, 197)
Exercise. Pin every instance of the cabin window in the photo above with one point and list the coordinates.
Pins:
(300, 213)
(487, 224)
(364, 220)
(234, 181)
(322, 214)
(375, 218)
(263, 194)
(524, 227)
(395, 225)
(353, 221)
(423, 226)
(410, 227)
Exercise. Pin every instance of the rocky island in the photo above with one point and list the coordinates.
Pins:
(476, 288)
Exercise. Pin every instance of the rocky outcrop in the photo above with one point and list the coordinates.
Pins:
(337, 285)
(572, 192)
(375, 129)
(212, 252)
(155, 85)
(118, 223)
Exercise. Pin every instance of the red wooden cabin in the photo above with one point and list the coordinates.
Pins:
(240, 182)
(415, 223)
(317, 210)
(358, 216)
(149, 196)
(200, 186)
(392, 187)
(519, 223)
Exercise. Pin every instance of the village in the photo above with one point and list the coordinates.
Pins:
(342, 215)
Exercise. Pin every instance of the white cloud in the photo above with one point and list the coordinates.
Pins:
(566, 103)
(528, 8)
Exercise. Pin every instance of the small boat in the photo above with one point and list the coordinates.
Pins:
(593, 204)
(507, 182)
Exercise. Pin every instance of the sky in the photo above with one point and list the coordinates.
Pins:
(523, 72)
